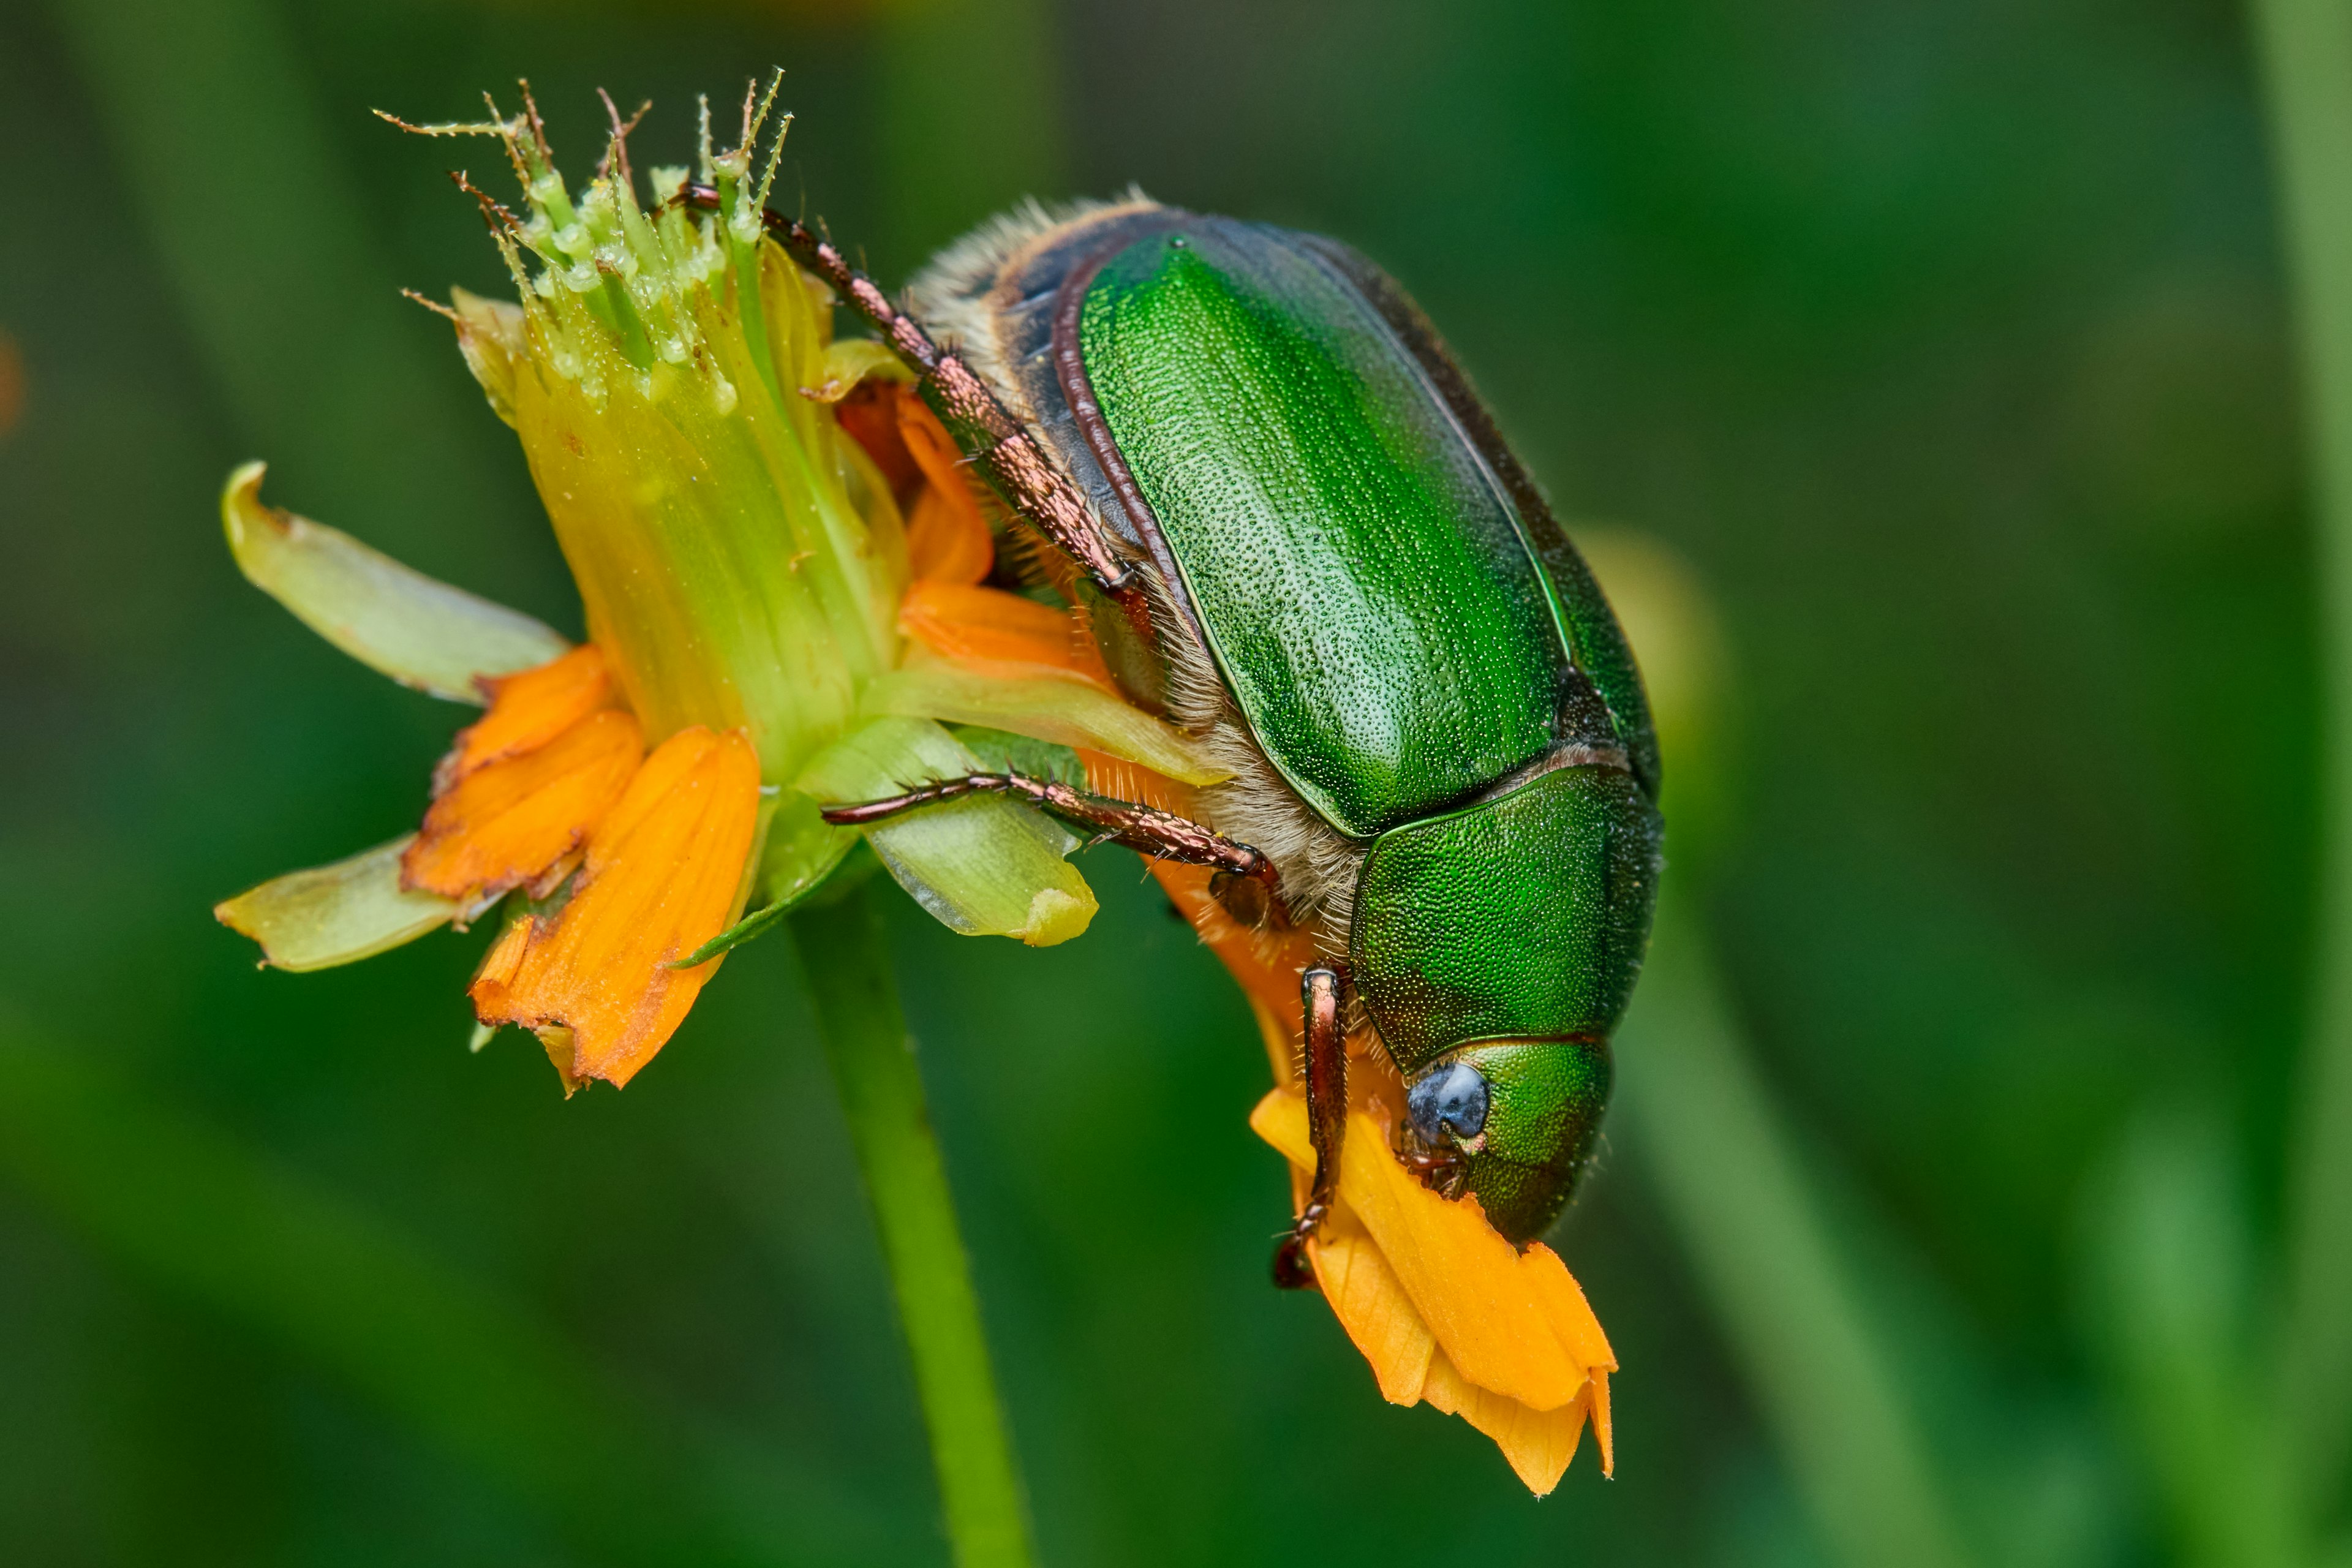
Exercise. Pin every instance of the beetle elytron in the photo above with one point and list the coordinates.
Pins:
(1304, 542)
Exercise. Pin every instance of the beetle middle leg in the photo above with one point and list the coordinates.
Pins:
(1326, 1121)
(1147, 829)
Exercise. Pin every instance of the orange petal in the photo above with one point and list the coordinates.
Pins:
(663, 876)
(505, 823)
(528, 710)
(1478, 1295)
(996, 632)
(870, 415)
(947, 538)
(1267, 963)
(1537, 1443)
(1122, 780)
(1563, 1304)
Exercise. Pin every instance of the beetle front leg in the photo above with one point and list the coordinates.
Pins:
(1005, 454)
(1326, 1121)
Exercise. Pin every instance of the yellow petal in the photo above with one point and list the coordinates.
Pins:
(1539, 1444)
(1476, 1294)
(421, 632)
(335, 914)
(665, 871)
(848, 363)
(1373, 1306)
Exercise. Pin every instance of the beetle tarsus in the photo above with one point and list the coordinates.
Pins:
(1293, 1269)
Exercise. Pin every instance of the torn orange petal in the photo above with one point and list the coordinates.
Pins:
(946, 540)
(662, 878)
(528, 710)
(1467, 1283)
(1539, 1444)
(505, 823)
(499, 965)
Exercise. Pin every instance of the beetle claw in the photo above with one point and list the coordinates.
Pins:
(1293, 1270)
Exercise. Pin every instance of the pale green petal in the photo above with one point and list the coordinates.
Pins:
(984, 866)
(420, 632)
(1045, 707)
(335, 914)
(492, 334)
(851, 361)
(801, 849)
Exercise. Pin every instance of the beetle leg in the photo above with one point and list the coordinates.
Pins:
(1163, 834)
(1005, 453)
(1326, 1121)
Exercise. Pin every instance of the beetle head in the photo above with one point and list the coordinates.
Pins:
(1520, 1116)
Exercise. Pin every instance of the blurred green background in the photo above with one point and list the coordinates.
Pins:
(1947, 1216)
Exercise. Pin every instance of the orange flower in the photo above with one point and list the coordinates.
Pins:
(780, 560)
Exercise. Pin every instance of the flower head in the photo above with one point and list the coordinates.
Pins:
(781, 566)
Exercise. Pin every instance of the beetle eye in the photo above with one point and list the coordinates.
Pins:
(1451, 1099)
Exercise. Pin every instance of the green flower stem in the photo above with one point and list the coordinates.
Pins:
(844, 954)
(2306, 48)
(1726, 1168)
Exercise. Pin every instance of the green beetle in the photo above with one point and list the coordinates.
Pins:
(1304, 542)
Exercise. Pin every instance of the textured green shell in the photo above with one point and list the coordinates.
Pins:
(1360, 575)
(1523, 917)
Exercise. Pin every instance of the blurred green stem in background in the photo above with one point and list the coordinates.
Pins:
(1726, 1168)
(2172, 1276)
(2306, 56)
(191, 1209)
(845, 955)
